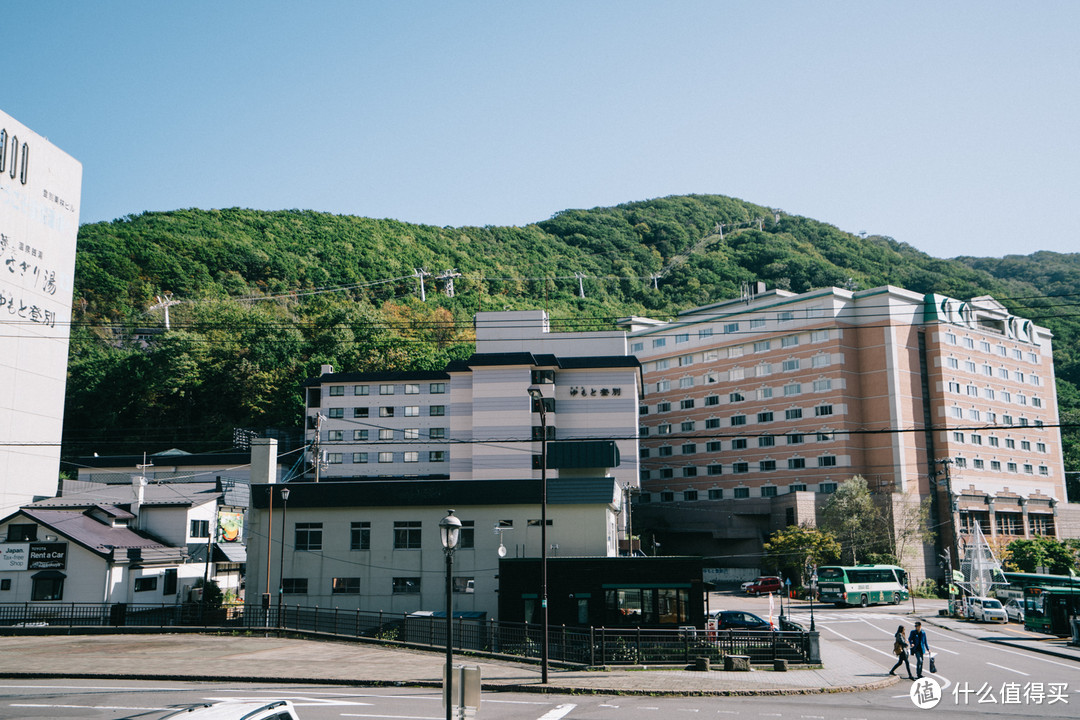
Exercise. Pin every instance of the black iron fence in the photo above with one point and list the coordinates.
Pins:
(583, 646)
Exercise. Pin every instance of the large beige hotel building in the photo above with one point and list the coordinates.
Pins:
(754, 410)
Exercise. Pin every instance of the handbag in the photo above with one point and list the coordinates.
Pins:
(933, 665)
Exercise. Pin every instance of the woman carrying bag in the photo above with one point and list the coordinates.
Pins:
(900, 649)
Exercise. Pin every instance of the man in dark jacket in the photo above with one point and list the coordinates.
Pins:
(919, 647)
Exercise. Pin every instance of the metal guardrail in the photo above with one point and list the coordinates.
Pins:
(593, 646)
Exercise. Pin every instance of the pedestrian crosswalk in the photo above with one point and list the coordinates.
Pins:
(803, 618)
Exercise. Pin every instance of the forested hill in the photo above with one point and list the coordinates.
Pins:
(263, 298)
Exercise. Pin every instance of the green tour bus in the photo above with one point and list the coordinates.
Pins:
(862, 584)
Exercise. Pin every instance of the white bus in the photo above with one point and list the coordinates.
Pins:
(862, 584)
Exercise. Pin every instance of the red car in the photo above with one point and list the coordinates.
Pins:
(770, 584)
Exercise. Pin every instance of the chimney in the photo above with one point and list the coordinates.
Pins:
(138, 487)
(263, 460)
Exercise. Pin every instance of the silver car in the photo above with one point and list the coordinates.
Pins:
(1015, 610)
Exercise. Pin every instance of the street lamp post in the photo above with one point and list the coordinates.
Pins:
(538, 398)
(281, 566)
(449, 531)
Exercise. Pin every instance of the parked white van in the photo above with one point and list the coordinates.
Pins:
(985, 609)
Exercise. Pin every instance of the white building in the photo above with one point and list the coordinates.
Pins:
(476, 419)
(374, 545)
(40, 191)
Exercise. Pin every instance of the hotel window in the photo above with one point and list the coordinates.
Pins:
(407, 534)
(819, 335)
(1011, 467)
(659, 342)
(1044, 470)
(987, 370)
(345, 586)
(337, 390)
(956, 412)
(716, 494)
(766, 441)
(796, 464)
(988, 393)
(738, 420)
(1028, 469)
(764, 393)
(826, 461)
(969, 343)
(637, 347)
(1010, 443)
(995, 465)
(1003, 373)
(736, 397)
(360, 412)
(335, 435)
(294, 586)
(686, 382)
(796, 439)
(793, 413)
(1036, 402)
(335, 413)
(667, 496)
(823, 410)
(412, 411)
(308, 536)
(411, 457)
(791, 364)
(1007, 419)
(643, 453)
(664, 451)
(973, 414)
(666, 474)
(958, 437)
(689, 495)
(763, 369)
(714, 470)
(764, 417)
(789, 341)
(1040, 447)
(972, 391)
(792, 389)
(977, 464)
(954, 387)
(689, 471)
(1017, 354)
(736, 373)
(952, 363)
(991, 417)
(643, 410)
(826, 436)
(1021, 399)
(333, 458)
(412, 389)
(663, 429)
(976, 439)
(712, 400)
(984, 346)
(1023, 421)
(386, 457)
(712, 423)
(437, 388)
(785, 316)
(969, 366)
(731, 328)
(768, 491)
(437, 456)
(740, 467)
(713, 446)
(685, 360)
(738, 444)
(1033, 358)
(992, 441)
(359, 458)
(406, 586)
(360, 536)
(686, 404)
(1002, 351)
(950, 338)
(820, 360)
(704, 333)
(742, 492)
(687, 426)
(436, 433)
(386, 389)
(822, 385)
(1025, 445)
(766, 466)
(386, 411)
(437, 410)
(361, 390)
(663, 386)
(761, 346)
(757, 323)
(826, 488)
(734, 352)
(682, 338)
(663, 407)
(386, 434)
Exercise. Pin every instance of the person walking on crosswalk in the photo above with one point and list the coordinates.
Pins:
(900, 649)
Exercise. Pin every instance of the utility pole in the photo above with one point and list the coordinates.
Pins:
(947, 557)
(420, 274)
(580, 284)
(448, 277)
(316, 446)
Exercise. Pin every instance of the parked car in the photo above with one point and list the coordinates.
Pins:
(766, 584)
(738, 620)
(1015, 610)
(984, 609)
(278, 710)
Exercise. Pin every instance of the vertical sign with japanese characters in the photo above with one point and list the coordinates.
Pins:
(40, 191)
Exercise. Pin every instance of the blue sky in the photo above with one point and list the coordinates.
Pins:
(950, 126)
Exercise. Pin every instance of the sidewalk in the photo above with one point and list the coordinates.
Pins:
(253, 659)
(1008, 635)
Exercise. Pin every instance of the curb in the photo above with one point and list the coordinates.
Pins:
(550, 689)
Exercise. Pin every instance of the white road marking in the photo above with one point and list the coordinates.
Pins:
(558, 712)
(1009, 668)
